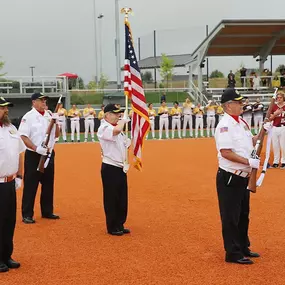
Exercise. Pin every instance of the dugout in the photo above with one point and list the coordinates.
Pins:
(256, 38)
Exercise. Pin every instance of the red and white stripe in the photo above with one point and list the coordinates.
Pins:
(140, 121)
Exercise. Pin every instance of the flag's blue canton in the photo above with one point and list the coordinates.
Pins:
(130, 51)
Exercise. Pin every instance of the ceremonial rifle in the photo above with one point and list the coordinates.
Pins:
(41, 166)
(258, 147)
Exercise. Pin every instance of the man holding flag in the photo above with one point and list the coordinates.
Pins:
(134, 91)
(114, 143)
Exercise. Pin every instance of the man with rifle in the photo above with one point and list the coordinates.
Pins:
(34, 130)
(235, 144)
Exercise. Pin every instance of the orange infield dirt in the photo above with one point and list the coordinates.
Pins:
(173, 215)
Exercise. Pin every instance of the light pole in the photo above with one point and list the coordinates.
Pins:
(95, 41)
(100, 17)
(32, 72)
(118, 50)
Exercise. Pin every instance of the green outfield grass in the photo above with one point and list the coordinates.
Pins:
(85, 97)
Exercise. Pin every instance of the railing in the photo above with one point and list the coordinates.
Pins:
(31, 84)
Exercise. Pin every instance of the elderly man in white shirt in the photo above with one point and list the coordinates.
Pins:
(11, 168)
(114, 144)
(33, 130)
(235, 144)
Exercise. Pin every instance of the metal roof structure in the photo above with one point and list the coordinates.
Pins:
(179, 60)
(244, 38)
(257, 38)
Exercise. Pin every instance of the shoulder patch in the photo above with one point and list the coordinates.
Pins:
(224, 129)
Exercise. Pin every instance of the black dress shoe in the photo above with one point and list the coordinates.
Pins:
(51, 216)
(12, 263)
(126, 231)
(251, 254)
(3, 267)
(240, 261)
(116, 233)
(28, 220)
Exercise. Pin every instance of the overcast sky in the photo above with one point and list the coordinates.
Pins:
(57, 36)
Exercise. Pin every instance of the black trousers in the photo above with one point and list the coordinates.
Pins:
(234, 210)
(115, 196)
(7, 219)
(32, 177)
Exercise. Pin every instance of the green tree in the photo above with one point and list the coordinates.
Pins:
(103, 81)
(217, 74)
(147, 77)
(280, 67)
(166, 68)
(92, 85)
(2, 63)
(76, 83)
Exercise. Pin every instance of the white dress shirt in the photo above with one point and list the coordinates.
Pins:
(235, 136)
(34, 126)
(113, 147)
(11, 145)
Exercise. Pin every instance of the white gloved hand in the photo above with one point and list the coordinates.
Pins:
(126, 118)
(267, 126)
(55, 116)
(254, 162)
(18, 183)
(41, 150)
(128, 143)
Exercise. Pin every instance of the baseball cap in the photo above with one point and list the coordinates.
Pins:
(231, 94)
(113, 108)
(4, 103)
(36, 96)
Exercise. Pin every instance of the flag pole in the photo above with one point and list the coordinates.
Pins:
(126, 11)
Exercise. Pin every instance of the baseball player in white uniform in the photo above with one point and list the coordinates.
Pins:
(176, 119)
(89, 115)
(247, 112)
(211, 119)
(278, 131)
(151, 115)
(257, 109)
(62, 114)
(163, 112)
(199, 123)
(74, 115)
(188, 107)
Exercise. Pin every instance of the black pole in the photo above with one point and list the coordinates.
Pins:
(139, 48)
(271, 63)
(154, 53)
(207, 62)
(32, 71)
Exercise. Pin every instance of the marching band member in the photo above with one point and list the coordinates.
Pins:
(163, 112)
(257, 109)
(62, 114)
(176, 119)
(74, 115)
(188, 107)
(211, 119)
(199, 124)
(247, 112)
(151, 114)
(89, 115)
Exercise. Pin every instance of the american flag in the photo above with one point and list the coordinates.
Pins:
(134, 90)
